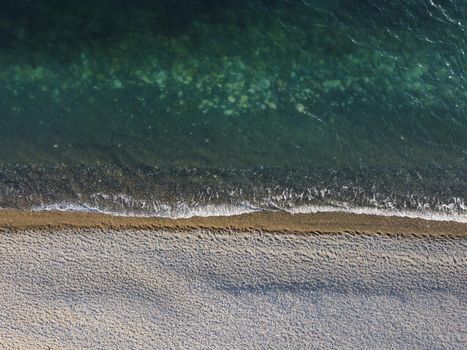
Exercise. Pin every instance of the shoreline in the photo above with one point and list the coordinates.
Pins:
(278, 222)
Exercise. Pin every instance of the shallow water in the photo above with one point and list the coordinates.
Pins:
(160, 108)
(73, 289)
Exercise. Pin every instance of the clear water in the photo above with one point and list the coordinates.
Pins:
(169, 107)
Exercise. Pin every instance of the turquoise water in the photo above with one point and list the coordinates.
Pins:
(159, 108)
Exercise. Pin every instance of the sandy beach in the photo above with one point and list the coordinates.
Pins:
(275, 281)
(259, 174)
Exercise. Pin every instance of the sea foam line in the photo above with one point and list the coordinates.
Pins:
(185, 211)
(426, 215)
(180, 213)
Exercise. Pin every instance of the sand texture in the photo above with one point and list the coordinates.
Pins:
(103, 288)
(278, 222)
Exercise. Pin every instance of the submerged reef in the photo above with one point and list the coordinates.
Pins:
(244, 62)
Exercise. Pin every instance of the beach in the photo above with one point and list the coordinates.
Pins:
(263, 280)
(259, 174)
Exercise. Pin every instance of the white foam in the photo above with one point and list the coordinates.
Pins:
(427, 215)
(180, 212)
(186, 211)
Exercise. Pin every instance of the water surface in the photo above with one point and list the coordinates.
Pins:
(163, 107)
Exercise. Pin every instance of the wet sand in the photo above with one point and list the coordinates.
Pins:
(260, 221)
(275, 281)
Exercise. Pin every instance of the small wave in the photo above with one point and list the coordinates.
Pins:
(186, 211)
(426, 215)
(181, 212)
(432, 194)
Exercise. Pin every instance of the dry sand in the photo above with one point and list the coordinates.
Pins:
(86, 281)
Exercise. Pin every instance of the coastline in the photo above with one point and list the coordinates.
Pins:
(278, 222)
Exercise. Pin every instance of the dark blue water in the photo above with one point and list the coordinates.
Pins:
(169, 107)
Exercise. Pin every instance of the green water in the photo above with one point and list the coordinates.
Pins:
(205, 102)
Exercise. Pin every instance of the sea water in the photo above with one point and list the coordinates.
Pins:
(179, 108)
